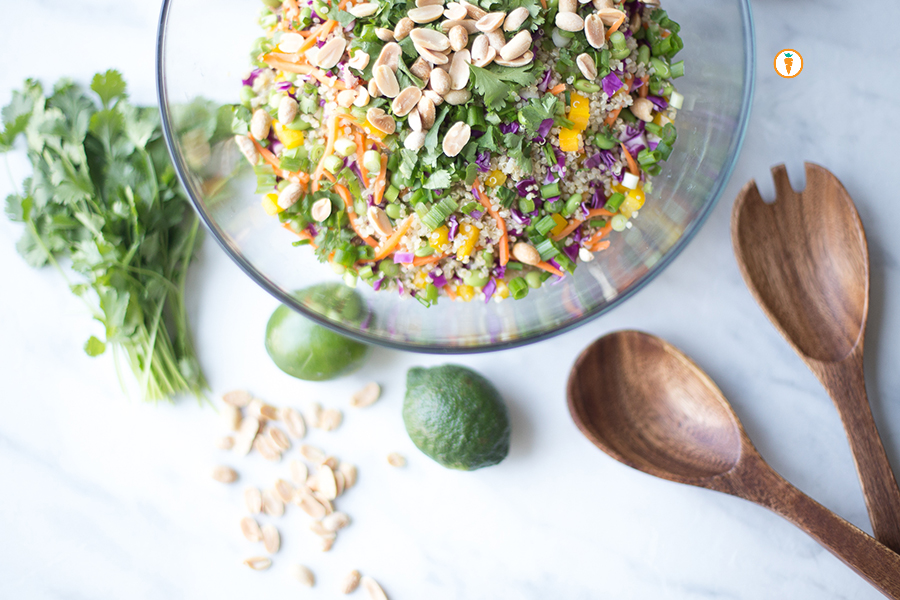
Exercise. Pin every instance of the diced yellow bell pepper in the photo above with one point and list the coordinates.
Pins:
(465, 292)
(634, 200)
(561, 223)
(469, 233)
(439, 238)
(579, 111)
(568, 140)
(420, 280)
(372, 130)
(288, 137)
(661, 119)
(270, 204)
(495, 178)
(502, 289)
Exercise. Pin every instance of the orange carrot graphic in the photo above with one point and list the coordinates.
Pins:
(788, 61)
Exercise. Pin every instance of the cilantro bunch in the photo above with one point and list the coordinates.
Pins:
(104, 197)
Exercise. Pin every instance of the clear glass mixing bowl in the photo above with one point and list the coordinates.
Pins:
(203, 53)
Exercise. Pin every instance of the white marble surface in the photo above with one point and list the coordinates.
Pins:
(103, 497)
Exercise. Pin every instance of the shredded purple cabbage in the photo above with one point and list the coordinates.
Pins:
(523, 186)
(404, 258)
(454, 227)
(653, 145)
(475, 134)
(312, 230)
(660, 103)
(555, 264)
(593, 162)
(577, 235)
(519, 218)
(252, 76)
(584, 209)
(377, 285)
(483, 160)
(544, 128)
(476, 214)
(509, 127)
(499, 272)
(489, 290)
(612, 84)
(571, 251)
(438, 280)
(545, 81)
(608, 158)
(597, 199)
(400, 288)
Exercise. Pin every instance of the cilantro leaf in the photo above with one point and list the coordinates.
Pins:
(342, 17)
(439, 180)
(406, 78)
(537, 110)
(490, 86)
(17, 114)
(109, 86)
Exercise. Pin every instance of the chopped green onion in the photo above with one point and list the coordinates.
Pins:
(550, 190)
(514, 265)
(372, 161)
(614, 202)
(391, 194)
(526, 205)
(643, 56)
(545, 225)
(518, 289)
(547, 249)
(345, 147)
(425, 251)
(647, 157)
(619, 222)
(333, 164)
(470, 207)
(366, 272)
(662, 69)
(388, 267)
(677, 69)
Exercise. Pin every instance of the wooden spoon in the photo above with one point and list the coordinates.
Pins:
(644, 403)
(806, 261)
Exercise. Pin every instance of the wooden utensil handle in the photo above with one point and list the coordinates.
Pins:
(874, 561)
(846, 383)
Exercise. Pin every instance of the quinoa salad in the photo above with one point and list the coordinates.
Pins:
(470, 150)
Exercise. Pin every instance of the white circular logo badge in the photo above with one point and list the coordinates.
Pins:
(788, 63)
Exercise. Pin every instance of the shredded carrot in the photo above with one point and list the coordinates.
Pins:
(290, 67)
(342, 4)
(559, 88)
(381, 180)
(391, 243)
(359, 159)
(349, 118)
(574, 222)
(615, 26)
(329, 148)
(544, 4)
(326, 28)
(665, 33)
(598, 236)
(612, 116)
(311, 40)
(298, 177)
(501, 224)
(427, 260)
(603, 245)
(266, 155)
(344, 193)
(644, 89)
(632, 166)
(549, 268)
(451, 293)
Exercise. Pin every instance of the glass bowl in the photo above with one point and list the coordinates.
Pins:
(203, 53)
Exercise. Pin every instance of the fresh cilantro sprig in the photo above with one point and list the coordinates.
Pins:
(104, 197)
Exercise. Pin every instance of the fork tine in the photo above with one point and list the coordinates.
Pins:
(783, 189)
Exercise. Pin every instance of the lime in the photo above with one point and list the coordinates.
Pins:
(456, 416)
(305, 350)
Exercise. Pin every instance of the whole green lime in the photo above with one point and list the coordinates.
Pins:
(305, 350)
(456, 416)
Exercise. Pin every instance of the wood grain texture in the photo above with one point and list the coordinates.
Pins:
(805, 259)
(660, 413)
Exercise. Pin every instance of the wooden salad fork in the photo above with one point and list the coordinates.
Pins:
(806, 261)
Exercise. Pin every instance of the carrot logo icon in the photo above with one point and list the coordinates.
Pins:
(788, 63)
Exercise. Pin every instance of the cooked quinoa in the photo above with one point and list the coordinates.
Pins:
(454, 149)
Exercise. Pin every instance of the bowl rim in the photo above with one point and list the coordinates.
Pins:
(749, 85)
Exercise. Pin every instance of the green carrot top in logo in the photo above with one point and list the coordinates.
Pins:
(788, 55)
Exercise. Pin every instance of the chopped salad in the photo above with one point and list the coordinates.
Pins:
(467, 150)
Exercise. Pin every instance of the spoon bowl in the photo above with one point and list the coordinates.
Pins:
(688, 431)
(658, 412)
